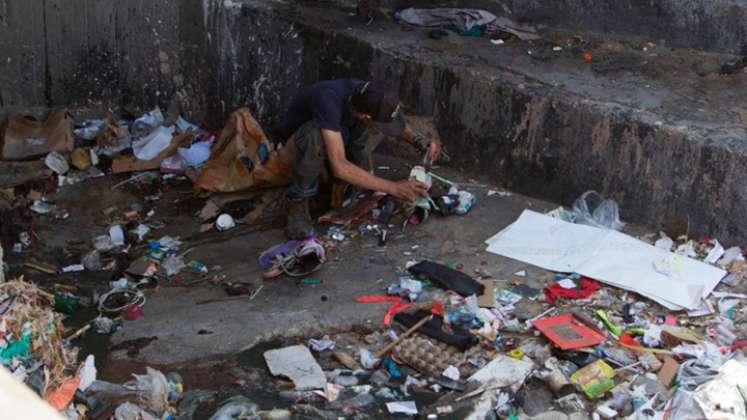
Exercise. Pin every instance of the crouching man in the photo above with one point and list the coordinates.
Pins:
(329, 123)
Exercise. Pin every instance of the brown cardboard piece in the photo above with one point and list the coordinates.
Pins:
(674, 336)
(17, 173)
(668, 372)
(24, 138)
(129, 163)
(487, 299)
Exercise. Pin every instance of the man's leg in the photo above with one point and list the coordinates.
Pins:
(363, 142)
(306, 170)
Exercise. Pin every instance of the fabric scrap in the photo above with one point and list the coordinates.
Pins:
(448, 278)
(586, 288)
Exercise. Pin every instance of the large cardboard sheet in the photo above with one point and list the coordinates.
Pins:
(675, 281)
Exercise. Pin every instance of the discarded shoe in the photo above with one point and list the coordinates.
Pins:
(306, 258)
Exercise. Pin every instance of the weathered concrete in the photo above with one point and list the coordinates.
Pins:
(710, 25)
(86, 53)
(659, 131)
(210, 56)
(632, 125)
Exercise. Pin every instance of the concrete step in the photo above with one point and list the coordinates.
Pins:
(710, 25)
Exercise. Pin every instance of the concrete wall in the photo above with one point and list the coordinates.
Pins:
(88, 52)
(212, 56)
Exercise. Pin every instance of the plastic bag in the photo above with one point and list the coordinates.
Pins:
(152, 389)
(173, 265)
(594, 210)
(238, 407)
(703, 368)
(368, 360)
(129, 411)
(151, 145)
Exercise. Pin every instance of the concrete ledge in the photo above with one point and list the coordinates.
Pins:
(554, 128)
(709, 25)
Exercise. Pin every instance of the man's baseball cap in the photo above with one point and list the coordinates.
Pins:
(382, 103)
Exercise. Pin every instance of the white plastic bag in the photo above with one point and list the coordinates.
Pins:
(594, 210)
(154, 143)
(152, 390)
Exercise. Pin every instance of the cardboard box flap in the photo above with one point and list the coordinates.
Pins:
(24, 138)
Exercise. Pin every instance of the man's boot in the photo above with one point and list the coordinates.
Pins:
(298, 224)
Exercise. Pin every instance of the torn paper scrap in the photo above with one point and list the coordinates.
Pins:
(296, 363)
(503, 371)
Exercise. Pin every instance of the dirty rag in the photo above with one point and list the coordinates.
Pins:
(586, 288)
(465, 21)
(461, 338)
(448, 278)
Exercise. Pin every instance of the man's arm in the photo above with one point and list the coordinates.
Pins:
(343, 169)
(422, 142)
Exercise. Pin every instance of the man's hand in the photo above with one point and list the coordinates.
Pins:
(432, 146)
(409, 191)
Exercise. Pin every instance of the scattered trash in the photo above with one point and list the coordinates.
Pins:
(57, 163)
(32, 333)
(238, 407)
(503, 372)
(24, 138)
(594, 210)
(150, 146)
(607, 333)
(594, 379)
(296, 363)
(402, 407)
(601, 258)
(570, 331)
(321, 345)
(367, 359)
(73, 268)
(87, 373)
(465, 21)
(117, 235)
(448, 278)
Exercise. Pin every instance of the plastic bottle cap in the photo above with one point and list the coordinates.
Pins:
(225, 222)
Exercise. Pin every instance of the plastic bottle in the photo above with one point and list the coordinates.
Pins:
(197, 266)
(379, 378)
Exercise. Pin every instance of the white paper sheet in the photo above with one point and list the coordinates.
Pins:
(675, 281)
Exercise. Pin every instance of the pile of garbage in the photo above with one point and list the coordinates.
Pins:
(31, 332)
(479, 347)
(34, 350)
(628, 328)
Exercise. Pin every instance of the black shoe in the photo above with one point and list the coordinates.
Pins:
(298, 224)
